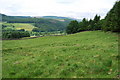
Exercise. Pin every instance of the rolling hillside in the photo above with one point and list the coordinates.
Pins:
(45, 24)
(89, 54)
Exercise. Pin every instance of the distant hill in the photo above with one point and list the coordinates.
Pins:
(10, 18)
(48, 23)
(60, 18)
(56, 17)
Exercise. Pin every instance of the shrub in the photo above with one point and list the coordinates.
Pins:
(13, 34)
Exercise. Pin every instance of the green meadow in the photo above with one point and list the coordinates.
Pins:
(89, 54)
(18, 26)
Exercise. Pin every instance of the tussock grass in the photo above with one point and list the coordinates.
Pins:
(90, 54)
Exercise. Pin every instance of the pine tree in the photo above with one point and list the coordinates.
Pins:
(96, 25)
(83, 25)
(72, 27)
(112, 20)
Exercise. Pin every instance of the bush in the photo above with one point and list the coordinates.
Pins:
(14, 34)
(36, 29)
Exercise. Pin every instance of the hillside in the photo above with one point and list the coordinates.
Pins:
(89, 54)
(45, 24)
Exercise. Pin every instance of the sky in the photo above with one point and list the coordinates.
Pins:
(67, 8)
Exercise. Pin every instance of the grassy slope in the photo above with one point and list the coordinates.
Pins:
(85, 54)
(18, 26)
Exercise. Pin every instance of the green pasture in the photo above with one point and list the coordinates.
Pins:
(89, 54)
(19, 26)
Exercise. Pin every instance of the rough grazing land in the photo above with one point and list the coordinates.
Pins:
(19, 26)
(90, 54)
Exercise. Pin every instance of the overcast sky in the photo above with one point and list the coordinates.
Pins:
(67, 8)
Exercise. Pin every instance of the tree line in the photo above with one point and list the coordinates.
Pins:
(110, 23)
(14, 34)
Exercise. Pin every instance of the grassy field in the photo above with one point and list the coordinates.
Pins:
(90, 54)
(18, 26)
